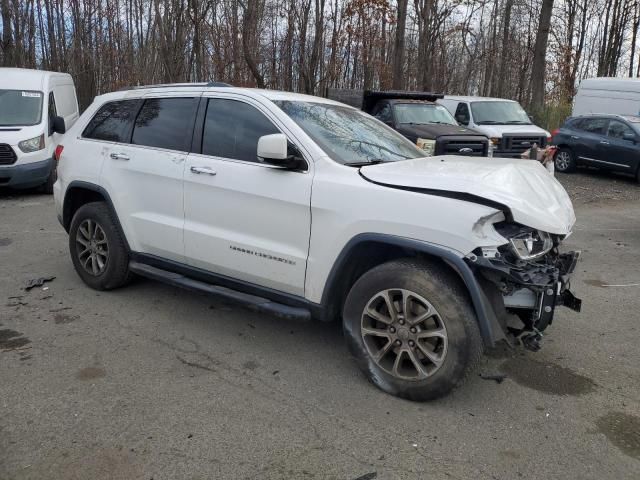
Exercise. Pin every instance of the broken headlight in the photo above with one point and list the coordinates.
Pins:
(524, 242)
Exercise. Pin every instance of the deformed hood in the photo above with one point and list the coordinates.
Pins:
(525, 187)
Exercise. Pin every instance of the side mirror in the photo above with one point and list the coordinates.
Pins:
(274, 150)
(58, 125)
(530, 118)
(462, 119)
(630, 137)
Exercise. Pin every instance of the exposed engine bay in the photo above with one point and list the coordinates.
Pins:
(525, 280)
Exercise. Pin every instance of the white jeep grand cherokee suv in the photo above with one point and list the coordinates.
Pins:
(305, 207)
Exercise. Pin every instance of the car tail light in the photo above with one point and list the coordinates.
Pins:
(58, 153)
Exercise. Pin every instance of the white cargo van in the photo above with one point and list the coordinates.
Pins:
(505, 122)
(36, 107)
(619, 96)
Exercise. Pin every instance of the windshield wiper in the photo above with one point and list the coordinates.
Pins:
(490, 122)
(517, 122)
(373, 161)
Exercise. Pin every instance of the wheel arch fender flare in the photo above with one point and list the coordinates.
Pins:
(488, 324)
(68, 204)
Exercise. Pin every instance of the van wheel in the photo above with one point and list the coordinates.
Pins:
(411, 329)
(97, 249)
(565, 161)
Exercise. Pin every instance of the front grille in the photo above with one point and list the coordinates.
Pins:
(460, 146)
(520, 144)
(7, 155)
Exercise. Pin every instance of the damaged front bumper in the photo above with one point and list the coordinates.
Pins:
(525, 294)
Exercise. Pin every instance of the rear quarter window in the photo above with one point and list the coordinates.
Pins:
(113, 121)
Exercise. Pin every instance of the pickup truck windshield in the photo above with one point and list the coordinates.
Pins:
(499, 113)
(422, 114)
(347, 135)
(20, 108)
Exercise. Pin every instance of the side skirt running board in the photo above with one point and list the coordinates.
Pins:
(253, 302)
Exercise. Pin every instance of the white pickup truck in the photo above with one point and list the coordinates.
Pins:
(505, 122)
(305, 207)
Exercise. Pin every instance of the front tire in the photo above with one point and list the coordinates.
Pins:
(411, 329)
(97, 248)
(565, 161)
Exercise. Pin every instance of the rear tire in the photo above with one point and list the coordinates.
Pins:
(400, 353)
(565, 161)
(97, 248)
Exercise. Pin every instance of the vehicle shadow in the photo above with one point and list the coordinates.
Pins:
(11, 193)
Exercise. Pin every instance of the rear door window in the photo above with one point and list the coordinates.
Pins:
(165, 123)
(232, 130)
(597, 126)
(113, 122)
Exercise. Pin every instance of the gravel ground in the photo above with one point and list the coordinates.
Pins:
(595, 186)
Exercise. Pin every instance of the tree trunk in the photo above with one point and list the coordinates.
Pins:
(634, 35)
(398, 46)
(504, 53)
(539, 55)
(7, 36)
(249, 43)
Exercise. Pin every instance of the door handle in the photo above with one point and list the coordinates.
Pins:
(575, 137)
(200, 170)
(119, 156)
(603, 142)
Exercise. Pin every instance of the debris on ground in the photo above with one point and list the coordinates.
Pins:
(37, 282)
(499, 378)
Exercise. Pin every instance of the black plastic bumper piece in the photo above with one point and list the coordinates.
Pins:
(569, 300)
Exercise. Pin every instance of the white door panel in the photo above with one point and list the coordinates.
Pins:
(147, 193)
(248, 221)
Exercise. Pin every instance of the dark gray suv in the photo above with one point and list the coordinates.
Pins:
(610, 142)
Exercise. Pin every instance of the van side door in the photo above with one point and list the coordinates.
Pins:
(243, 218)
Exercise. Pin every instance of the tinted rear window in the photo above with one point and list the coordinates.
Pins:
(165, 123)
(113, 121)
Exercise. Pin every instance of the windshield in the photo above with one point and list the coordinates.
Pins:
(422, 113)
(347, 135)
(20, 108)
(499, 113)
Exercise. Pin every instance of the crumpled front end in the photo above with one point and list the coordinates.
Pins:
(525, 279)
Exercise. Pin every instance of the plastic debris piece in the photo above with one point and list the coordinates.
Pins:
(37, 282)
(499, 378)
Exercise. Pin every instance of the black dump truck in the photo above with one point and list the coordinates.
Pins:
(416, 116)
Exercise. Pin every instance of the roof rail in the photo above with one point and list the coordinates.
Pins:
(177, 85)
